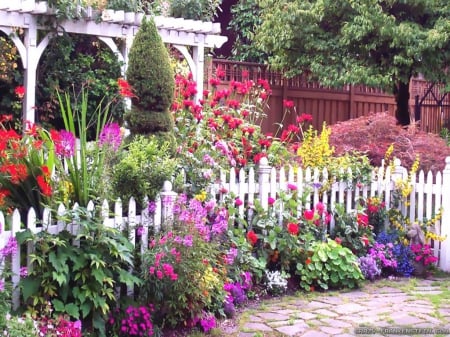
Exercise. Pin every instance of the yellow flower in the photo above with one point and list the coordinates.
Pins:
(201, 196)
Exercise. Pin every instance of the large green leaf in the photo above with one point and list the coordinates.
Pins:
(30, 286)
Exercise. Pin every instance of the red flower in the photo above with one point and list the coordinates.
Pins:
(365, 240)
(338, 240)
(288, 104)
(292, 228)
(362, 219)
(125, 89)
(308, 261)
(252, 237)
(308, 214)
(304, 118)
(20, 91)
(46, 189)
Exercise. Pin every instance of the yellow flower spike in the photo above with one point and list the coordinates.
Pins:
(405, 242)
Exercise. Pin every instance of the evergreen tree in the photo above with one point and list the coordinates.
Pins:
(150, 74)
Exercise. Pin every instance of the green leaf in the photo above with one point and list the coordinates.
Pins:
(30, 286)
(72, 310)
(322, 255)
(58, 305)
(99, 275)
(85, 309)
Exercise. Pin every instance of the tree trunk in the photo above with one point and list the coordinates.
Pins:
(401, 93)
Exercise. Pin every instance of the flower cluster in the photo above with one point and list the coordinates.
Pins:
(423, 254)
(369, 267)
(276, 281)
(137, 322)
(383, 254)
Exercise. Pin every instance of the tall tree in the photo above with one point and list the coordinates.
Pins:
(373, 42)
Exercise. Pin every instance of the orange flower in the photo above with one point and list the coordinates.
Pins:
(308, 261)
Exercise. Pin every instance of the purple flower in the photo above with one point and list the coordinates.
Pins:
(152, 207)
(111, 136)
(2, 285)
(140, 230)
(208, 322)
(231, 256)
(23, 272)
(10, 248)
(187, 241)
(207, 159)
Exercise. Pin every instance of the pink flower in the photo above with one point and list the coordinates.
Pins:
(159, 274)
(292, 187)
(308, 214)
(111, 136)
(320, 207)
(238, 202)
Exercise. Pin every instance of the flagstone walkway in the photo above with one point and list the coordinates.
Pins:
(403, 307)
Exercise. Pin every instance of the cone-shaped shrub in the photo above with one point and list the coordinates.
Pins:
(150, 74)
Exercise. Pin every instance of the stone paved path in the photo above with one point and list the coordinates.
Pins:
(404, 307)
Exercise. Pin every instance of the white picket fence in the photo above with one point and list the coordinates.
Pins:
(429, 194)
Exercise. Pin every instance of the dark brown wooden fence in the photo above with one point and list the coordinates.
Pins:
(325, 104)
(431, 105)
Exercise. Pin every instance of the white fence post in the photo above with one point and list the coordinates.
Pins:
(167, 201)
(444, 261)
(263, 180)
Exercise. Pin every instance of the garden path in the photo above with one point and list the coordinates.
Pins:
(398, 307)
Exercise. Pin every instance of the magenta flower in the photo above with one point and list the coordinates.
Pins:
(292, 187)
(271, 201)
(64, 143)
(111, 136)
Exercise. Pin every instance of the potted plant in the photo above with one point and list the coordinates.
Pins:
(424, 258)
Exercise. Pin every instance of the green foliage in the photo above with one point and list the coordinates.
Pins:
(87, 169)
(445, 134)
(150, 74)
(142, 169)
(329, 266)
(11, 76)
(244, 22)
(70, 64)
(78, 279)
(204, 10)
(339, 167)
(20, 327)
(378, 43)
(356, 236)
(182, 279)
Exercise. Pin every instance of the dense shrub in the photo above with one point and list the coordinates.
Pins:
(150, 74)
(142, 169)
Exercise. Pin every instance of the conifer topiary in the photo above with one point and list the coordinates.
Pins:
(150, 74)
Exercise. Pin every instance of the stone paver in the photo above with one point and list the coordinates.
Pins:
(343, 314)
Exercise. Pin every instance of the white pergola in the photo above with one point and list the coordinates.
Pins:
(190, 37)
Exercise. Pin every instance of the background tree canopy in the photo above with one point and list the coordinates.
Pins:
(373, 42)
